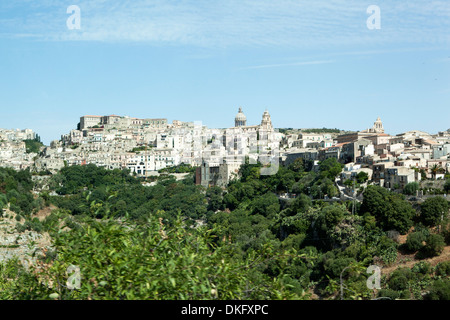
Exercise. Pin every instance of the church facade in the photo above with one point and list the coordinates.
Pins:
(223, 160)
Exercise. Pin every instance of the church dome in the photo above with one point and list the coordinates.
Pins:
(240, 116)
(240, 119)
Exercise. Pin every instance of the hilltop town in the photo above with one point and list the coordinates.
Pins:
(146, 146)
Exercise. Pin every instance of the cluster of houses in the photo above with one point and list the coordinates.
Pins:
(115, 142)
(145, 146)
(13, 153)
(390, 161)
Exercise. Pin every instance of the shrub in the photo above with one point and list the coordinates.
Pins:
(443, 268)
(415, 241)
(398, 283)
(31, 225)
(439, 290)
(422, 267)
(21, 227)
(434, 245)
(388, 293)
(399, 279)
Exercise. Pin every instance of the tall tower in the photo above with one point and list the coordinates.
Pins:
(378, 126)
(241, 119)
(266, 122)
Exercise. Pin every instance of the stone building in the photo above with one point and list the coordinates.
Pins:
(89, 121)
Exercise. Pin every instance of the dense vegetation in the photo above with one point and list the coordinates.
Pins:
(181, 168)
(33, 145)
(178, 240)
(15, 190)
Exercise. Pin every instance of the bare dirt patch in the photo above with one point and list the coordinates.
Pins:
(444, 256)
(45, 212)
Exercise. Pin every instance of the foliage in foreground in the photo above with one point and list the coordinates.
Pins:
(120, 260)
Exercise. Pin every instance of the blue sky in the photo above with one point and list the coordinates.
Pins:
(310, 63)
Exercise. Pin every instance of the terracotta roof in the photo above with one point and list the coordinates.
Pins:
(337, 145)
(340, 144)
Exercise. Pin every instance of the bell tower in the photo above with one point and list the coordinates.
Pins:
(266, 122)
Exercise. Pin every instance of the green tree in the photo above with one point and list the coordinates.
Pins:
(322, 187)
(330, 168)
(266, 205)
(362, 177)
(447, 185)
(333, 214)
(302, 203)
(215, 198)
(297, 165)
(435, 169)
(433, 211)
(411, 188)
(391, 211)
(249, 171)
(434, 245)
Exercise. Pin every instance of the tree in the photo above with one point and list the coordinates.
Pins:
(435, 169)
(266, 205)
(249, 171)
(330, 168)
(120, 208)
(362, 177)
(391, 211)
(411, 188)
(230, 201)
(333, 214)
(447, 185)
(323, 187)
(423, 174)
(349, 183)
(302, 203)
(215, 198)
(297, 165)
(433, 211)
